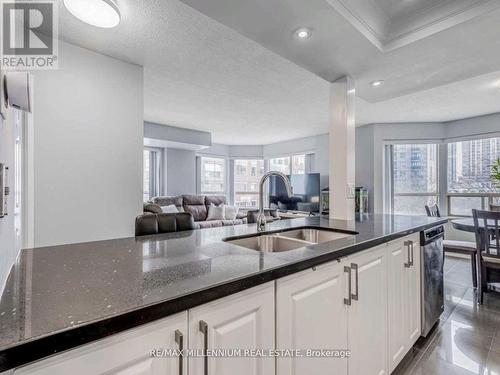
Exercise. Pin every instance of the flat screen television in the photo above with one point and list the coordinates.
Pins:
(306, 193)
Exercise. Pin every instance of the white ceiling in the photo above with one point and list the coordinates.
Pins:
(391, 24)
(202, 75)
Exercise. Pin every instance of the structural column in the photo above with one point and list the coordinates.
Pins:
(342, 149)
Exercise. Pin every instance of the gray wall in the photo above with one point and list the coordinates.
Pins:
(181, 172)
(88, 141)
(8, 249)
(364, 160)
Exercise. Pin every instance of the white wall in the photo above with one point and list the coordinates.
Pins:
(8, 250)
(88, 140)
(181, 172)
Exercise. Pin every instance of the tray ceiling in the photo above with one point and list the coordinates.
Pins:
(391, 24)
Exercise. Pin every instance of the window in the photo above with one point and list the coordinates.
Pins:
(295, 164)
(469, 170)
(213, 175)
(298, 164)
(152, 173)
(414, 177)
(247, 175)
(280, 164)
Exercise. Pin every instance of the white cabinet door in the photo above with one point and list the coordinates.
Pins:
(404, 297)
(397, 302)
(127, 353)
(413, 292)
(367, 317)
(312, 315)
(242, 321)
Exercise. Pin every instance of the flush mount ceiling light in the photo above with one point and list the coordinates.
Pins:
(303, 33)
(99, 13)
(377, 83)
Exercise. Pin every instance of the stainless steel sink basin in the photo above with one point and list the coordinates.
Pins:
(288, 240)
(270, 243)
(314, 235)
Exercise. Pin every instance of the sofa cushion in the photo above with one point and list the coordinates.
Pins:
(226, 223)
(209, 224)
(152, 208)
(167, 201)
(215, 199)
(149, 223)
(195, 205)
(231, 212)
(146, 224)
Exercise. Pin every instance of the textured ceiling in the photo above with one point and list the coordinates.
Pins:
(472, 97)
(203, 75)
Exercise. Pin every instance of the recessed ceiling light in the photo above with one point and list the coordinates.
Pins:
(100, 13)
(303, 33)
(377, 83)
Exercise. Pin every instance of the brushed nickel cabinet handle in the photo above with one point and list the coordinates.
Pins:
(204, 330)
(408, 245)
(347, 301)
(355, 296)
(412, 245)
(179, 339)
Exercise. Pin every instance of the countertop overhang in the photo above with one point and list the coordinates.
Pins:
(60, 297)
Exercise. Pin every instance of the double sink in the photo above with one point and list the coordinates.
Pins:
(289, 240)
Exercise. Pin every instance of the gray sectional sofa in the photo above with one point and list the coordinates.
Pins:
(197, 205)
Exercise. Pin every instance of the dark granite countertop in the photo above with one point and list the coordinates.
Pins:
(59, 297)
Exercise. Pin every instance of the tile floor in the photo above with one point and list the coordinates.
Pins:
(467, 339)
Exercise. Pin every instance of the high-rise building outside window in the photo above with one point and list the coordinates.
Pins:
(247, 175)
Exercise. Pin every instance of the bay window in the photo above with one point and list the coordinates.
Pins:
(469, 182)
(247, 175)
(295, 164)
(280, 164)
(212, 175)
(413, 177)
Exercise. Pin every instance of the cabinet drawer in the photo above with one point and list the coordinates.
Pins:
(127, 353)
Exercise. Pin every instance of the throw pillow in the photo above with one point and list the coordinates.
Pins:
(216, 212)
(231, 212)
(170, 209)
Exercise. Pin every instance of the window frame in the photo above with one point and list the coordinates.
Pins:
(487, 198)
(234, 183)
(156, 183)
(390, 194)
(199, 175)
(290, 157)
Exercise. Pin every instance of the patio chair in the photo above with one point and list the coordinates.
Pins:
(458, 247)
(487, 228)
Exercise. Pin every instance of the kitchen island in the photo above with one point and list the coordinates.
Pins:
(62, 297)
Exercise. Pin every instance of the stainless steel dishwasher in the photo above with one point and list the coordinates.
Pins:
(431, 263)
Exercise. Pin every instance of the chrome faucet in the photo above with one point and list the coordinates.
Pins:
(261, 219)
